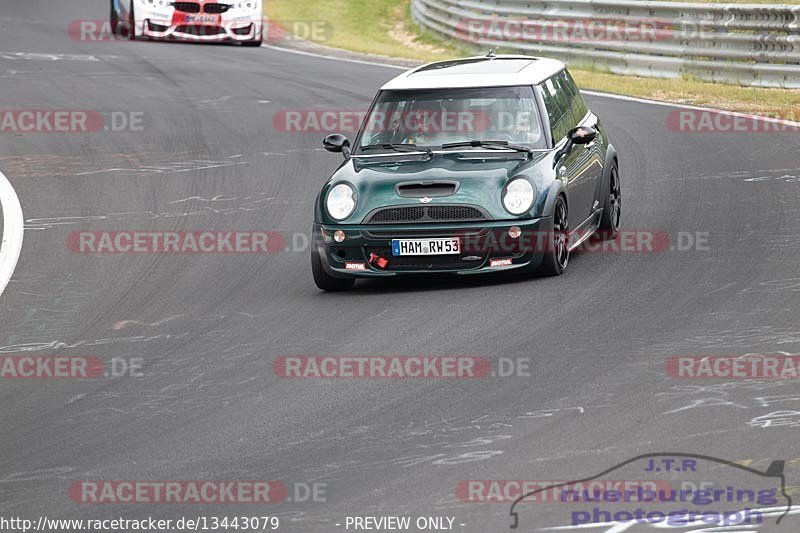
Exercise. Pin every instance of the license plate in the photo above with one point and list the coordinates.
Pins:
(203, 19)
(450, 246)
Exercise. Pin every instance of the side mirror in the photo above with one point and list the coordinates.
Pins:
(582, 135)
(337, 143)
(579, 135)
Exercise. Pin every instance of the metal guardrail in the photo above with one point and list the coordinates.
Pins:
(747, 44)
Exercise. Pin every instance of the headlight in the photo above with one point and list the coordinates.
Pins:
(518, 196)
(341, 201)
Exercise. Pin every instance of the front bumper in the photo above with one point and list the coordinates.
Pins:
(485, 248)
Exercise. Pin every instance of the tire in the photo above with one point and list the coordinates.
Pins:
(556, 257)
(132, 24)
(256, 42)
(612, 207)
(325, 281)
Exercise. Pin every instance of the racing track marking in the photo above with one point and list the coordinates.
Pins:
(333, 58)
(33, 56)
(590, 93)
(13, 223)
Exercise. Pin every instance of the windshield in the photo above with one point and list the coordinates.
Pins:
(434, 117)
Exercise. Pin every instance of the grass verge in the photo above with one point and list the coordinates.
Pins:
(384, 27)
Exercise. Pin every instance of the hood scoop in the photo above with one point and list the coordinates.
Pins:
(429, 189)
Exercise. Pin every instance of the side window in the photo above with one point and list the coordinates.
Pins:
(565, 98)
(553, 112)
(558, 102)
(579, 108)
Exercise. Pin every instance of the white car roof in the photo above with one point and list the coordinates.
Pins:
(479, 71)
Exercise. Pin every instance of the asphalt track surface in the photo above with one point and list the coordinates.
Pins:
(208, 327)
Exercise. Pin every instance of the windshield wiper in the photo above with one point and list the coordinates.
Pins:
(492, 145)
(398, 147)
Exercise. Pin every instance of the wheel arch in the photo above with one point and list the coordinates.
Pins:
(611, 159)
(556, 189)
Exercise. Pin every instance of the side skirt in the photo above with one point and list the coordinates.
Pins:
(586, 229)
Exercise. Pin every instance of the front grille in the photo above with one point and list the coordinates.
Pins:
(187, 7)
(216, 9)
(426, 213)
(200, 31)
(422, 262)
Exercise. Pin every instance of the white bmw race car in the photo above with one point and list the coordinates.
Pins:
(198, 20)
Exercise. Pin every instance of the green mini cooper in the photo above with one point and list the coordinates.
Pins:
(471, 166)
